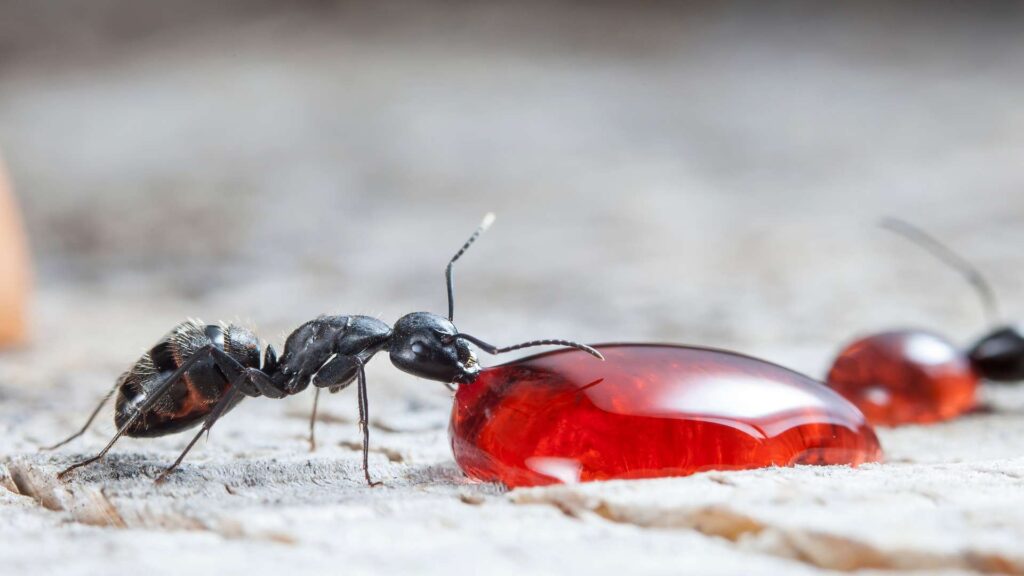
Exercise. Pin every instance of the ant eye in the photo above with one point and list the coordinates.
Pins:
(445, 337)
(417, 348)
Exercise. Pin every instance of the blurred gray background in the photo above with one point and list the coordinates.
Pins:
(706, 173)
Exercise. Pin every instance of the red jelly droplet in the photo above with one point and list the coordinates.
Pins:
(648, 411)
(905, 377)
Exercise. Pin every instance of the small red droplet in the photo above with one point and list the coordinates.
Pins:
(648, 411)
(905, 377)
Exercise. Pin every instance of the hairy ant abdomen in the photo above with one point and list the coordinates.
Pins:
(191, 399)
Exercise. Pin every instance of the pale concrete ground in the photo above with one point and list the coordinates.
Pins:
(696, 176)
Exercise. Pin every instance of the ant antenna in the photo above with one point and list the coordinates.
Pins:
(951, 259)
(492, 349)
(484, 225)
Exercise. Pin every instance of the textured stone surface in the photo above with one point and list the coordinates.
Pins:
(710, 178)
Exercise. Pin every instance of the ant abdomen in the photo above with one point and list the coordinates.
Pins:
(191, 398)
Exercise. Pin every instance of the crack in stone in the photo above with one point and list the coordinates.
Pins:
(89, 504)
(814, 548)
(7, 481)
(26, 486)
(85, 504)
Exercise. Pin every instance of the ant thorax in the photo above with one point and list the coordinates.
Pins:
(312, 351)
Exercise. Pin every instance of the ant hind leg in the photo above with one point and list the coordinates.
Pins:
(144, 407)
(88, 422)
(211, 419)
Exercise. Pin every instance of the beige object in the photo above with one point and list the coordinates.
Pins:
(15, 276)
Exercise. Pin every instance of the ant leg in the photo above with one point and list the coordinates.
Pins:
(264, 384)
(312, 422)
(364, 415)
(336, 375)
(256, 383)
(87, 422)
(150, 401)
(215, 414)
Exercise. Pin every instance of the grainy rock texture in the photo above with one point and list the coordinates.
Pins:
(704, 175)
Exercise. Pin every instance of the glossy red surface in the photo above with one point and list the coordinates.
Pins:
(905, 377)
(648, 411)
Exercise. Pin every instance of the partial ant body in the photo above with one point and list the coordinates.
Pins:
(998, 355)
(199, 372)
(915, 376)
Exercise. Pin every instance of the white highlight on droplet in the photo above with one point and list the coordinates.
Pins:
(928, 349)
(565, 470)
(877, 395)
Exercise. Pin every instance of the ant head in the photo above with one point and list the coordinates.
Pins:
(999, 356)
(429, 346)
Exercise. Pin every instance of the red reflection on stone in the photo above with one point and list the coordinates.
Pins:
(648, 411)
(905, 377)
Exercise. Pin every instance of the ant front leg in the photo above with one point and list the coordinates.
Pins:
(364, 423)
(337, 375)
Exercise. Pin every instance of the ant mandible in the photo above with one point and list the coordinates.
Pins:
(197, 372)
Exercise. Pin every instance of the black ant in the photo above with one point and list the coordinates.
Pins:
(997, 356)
(198, 372)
